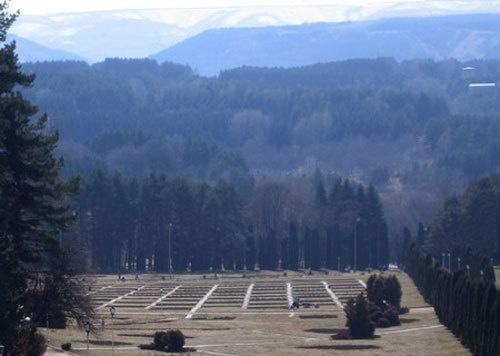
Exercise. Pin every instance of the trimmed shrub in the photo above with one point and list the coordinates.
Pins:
(171, 341)
(175, 341)
(384, 291)
(358, 320)
(66, 346)
(383, 318)
(404, 310)
(160, 340)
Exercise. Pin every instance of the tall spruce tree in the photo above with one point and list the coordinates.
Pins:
(421, 234)
(329, 249)
(316, 255)
(307, 242)
(284, 255)
(34, 206)
(293, 247)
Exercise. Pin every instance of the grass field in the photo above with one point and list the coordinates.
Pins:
(236, 321)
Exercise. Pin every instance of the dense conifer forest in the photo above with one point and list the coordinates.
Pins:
(129, 224)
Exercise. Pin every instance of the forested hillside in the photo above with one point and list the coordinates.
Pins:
(414, 129)
(471, 220)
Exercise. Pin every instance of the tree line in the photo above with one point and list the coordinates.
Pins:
(471, 220)
(138, 224)
(468, 306)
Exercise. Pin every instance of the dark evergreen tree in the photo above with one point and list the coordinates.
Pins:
(316, 258)
(358, 319)
(263, 254)
(406, 243)
(330, 262)
(489, 274)
(34, 208)
(307, 243)
(285, 253)
(476, 316)
(484, 326)
(494, 329)
(337, 248)
(293, 247)
(272, 251)
(421, 234)
(383, 246)
(321, 200)
(250, 252)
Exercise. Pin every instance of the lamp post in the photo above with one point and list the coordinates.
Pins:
(112, 311)
(449, 261)
(1, 350)
(338, 264)
(468, 270)
(442, 260)
(356, 243)
(169, 250)
(87, 330)
(458, 261)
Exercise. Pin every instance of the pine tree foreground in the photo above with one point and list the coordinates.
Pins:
(34, 210)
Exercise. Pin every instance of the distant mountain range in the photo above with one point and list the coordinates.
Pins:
(138, 33)
(181, 36)
(459, 36)
(29, 51)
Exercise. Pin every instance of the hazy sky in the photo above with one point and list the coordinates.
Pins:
(56, 6)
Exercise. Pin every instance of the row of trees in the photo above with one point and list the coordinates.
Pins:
(137, 224)
(468, 306)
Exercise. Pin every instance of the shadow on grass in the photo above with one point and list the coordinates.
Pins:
(407, 320)
(214, 318)
(103, 342)
(147, 335)
(323, 331)
(328, 316)
(340, 347)
(343, 334)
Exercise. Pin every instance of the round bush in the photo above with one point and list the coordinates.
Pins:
(160, 340)
(383, 323)
(175, 340)
(392, 315)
